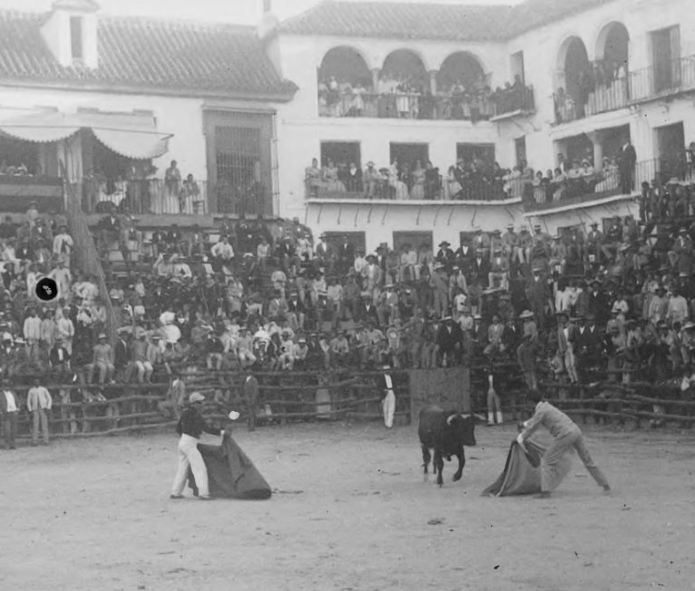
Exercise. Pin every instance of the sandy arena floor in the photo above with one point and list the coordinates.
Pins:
(350, 513)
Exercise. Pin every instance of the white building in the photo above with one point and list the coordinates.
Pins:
(628, 66)
(104, 98)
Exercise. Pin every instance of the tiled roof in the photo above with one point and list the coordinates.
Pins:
(444, 22)
(197, 59)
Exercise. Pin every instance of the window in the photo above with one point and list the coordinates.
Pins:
(337, 239)
(410, 154)
(520, 149)
(666, 53)
(342, 154)
(76, 41)
(480, 152)
(517, 66)
(417, 240)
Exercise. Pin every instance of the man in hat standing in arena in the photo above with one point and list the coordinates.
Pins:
(251, 390)
(566, 434)
(190, 427)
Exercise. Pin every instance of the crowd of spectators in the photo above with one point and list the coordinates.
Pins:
(405, 98)
(263, 295)
(470, 179)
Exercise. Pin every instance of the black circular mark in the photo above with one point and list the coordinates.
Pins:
(47, 289)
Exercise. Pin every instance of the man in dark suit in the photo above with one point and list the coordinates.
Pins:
(445, 256)
(626, 167)
(346, 253)
(367, 311)
(480, 265)
(250, 391)
(449, 342)
(464, 256)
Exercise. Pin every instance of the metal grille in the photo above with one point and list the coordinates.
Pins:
(238, 163)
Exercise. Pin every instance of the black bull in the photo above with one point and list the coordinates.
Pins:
(445, 432)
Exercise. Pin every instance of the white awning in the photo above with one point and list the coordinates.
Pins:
(133, 135)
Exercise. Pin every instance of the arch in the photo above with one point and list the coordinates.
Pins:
(461, 67)
(347, 65)
(569, 43)
(404, 66)
(613, 43)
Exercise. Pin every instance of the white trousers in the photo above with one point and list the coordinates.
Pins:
(190, 456)
(389, 408)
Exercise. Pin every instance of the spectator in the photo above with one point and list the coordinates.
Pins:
(39, 402)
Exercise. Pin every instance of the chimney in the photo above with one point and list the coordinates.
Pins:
(71, 32)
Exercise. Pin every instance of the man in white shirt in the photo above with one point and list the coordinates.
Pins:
(9, 410)
(39, 402)
(32, 333)
(63, 244)
(222, 252)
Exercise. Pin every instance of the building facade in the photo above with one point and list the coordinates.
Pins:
(107, 103)
(546, 84)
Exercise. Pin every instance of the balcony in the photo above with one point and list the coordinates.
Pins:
(593, 188)
(436, 188)
(161, 197)
(513, 101)
(657, 82)
(18, 190)
(603, 98)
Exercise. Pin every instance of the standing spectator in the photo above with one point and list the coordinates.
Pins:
(32, 333)
(39, 402)
(63, 245)
(526, 357)
(9, 410)
(250, 393)
(626, 167)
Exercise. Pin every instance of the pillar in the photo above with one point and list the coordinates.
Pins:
(597, 139)
(375, 78)
(433, 81)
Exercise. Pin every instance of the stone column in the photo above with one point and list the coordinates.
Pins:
(433, 81)
(597, 138)
(375, 78)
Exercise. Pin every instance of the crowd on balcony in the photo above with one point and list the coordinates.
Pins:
(407, 98)
(466, 180)
(600, 87)
(140, 191)
(576, 178)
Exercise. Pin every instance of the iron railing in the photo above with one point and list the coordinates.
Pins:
(606, 183)
(160, 197)
(442, 189)
(658, 81)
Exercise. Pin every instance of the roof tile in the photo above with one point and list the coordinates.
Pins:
(442, 22)
(147, 53)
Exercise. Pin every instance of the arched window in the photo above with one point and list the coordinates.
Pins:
(345, 65)
(460, 69)
(403, 70)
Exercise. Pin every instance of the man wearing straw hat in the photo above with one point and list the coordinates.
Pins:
(190, 426)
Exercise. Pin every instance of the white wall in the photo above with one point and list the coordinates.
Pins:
(181, 117)
(444, 221)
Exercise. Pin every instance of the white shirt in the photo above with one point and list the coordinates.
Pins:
(11, 404)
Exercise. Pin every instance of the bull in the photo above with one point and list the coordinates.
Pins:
(445, 432)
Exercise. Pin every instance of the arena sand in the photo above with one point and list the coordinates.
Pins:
(350, 513)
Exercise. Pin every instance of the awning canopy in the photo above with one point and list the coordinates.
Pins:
(133, 135)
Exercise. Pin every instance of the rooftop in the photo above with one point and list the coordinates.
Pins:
(146, 53)
(442, 22)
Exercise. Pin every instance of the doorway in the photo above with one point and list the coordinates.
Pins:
(416, 239)
(666, 58)
(670, 143)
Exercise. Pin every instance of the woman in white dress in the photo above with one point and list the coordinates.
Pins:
(330, 178)
(452, 188)
(611, 176)
(418, 176)
(400, 187)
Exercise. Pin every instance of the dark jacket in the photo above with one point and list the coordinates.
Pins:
(192, 423)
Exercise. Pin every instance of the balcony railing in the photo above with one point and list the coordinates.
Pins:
(658, 81)
(160, 197)
(513, 100)
(603, 99)
(606, 183)
(441, 189)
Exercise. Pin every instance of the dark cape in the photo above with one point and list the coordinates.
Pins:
(522, 474)
(231, 474)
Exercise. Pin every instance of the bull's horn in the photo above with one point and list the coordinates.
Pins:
(449, 419)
